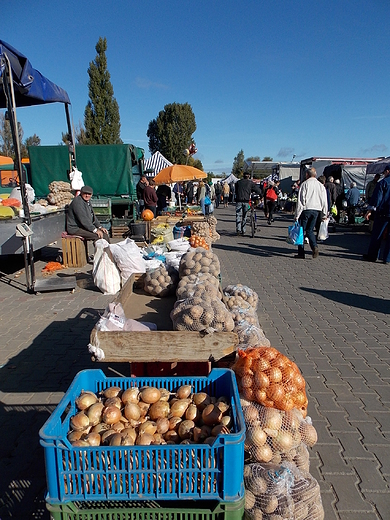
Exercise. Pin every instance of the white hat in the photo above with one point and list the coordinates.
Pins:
(271, 183)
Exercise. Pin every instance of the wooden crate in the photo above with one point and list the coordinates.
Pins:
(119, 231)
(74, 251)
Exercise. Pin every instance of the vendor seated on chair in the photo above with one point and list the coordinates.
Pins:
(81, 219)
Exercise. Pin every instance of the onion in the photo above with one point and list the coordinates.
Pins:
(111, 415)
(224, 407)
(162, 425)
(192, 412)
(147, 427)
(272, 419)
(79, 421)
(93, 439)
(308, 433)
(130, 395)
(257, 436)
(171, 437)
(283, 441)
(74, 436)
(144, 407)
(220, 429)
(112, 391)
(116, 439)
(113, 401)
(250, 500)
(100, 428)
(174, 423)
(85, 400)
(118, 426)
(80, 443)
(262, 453)
(210, 440)
(94, 413)
(145, 439)
(185, 430)
(261, 379)
(106, 436)
(132, 411)
(226, 421)
(179, 408)
(165, 394)
(130, 434)
(150, 394)
(201, 399)
(158, 410)
(184, 391)
(211, 415)
(251, 414)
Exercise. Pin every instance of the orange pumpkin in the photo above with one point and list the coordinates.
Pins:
(147, 214)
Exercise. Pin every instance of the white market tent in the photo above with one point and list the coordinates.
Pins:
(156, 163)
(230, 178)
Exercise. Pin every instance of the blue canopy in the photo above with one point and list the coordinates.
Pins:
(30, 87)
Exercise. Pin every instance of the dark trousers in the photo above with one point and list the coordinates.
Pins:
(271, 204)
(380, 231)
(308, 221)
(88, 235)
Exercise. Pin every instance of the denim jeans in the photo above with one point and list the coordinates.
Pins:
(242, 209)
(308, 221)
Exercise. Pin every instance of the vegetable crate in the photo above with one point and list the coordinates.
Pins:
(179, 510)
(167, 472)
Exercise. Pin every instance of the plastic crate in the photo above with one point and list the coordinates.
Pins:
(178, 510)
(168, 472)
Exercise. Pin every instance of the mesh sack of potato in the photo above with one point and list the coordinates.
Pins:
(241, 310)
(212, 221)
(199, 314)
(273, 435)
(192, 286)
(250, 335)
(161, 281)
(58, 186)
(270, 378)
(199, 260)
(281, 492)
(244, 292)
(201, 229)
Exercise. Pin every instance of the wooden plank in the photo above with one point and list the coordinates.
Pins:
(164, 346)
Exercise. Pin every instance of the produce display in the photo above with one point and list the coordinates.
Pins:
(212, 221)
(275, 436)
(60, 194)
(203, 285)
(244, 292)
(148, 416)
(161, 281)
(282, 493)
(199, 260)
(200, 314)
(270, 378)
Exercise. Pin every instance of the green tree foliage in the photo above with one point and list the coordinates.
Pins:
(7, 147)
(171, 132)
(101, 116)
(238, 164)
(267, 159)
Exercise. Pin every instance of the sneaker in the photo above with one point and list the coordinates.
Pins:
(306, 240)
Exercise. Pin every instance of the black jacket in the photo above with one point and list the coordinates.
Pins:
(244, 188)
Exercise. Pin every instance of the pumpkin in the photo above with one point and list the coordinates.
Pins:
(147, 214)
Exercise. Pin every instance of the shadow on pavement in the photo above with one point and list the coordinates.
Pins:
(361, 301)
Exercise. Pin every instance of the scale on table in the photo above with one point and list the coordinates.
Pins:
(25, 232)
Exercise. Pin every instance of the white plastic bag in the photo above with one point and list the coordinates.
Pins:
(76, 179)
(106, 275)
(323, 232)
(179, 244)
(128, 257)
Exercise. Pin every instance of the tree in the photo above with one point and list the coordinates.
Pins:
(267, 159)
(171, 132)
(80, 135)
(101, 116)
(7, 144)
(238, 164)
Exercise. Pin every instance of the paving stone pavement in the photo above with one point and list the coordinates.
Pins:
(331, 315)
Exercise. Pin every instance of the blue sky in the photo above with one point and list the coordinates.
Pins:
(273, 78)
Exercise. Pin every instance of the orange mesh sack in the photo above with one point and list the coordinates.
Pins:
(199, 260)
(270, 378)
(161, 281)
(200, 314)
(275, 436)
(281, 492)
(202, 285)
(244, 292)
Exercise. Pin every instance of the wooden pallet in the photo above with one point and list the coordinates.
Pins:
(119, 231)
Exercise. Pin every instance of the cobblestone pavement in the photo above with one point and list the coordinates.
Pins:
(331, 315)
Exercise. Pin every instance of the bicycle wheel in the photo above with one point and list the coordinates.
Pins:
(253, 223)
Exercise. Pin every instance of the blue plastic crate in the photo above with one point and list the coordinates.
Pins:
(168, 472)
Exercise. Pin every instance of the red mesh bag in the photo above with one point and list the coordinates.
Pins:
(270, 378)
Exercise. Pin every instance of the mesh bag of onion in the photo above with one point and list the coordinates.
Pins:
(283, 492)
(201, 314)
(274, 436)
(199, 260)
(270, 378)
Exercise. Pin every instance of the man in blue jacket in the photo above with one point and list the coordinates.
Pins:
(380, 203)
(352, 197)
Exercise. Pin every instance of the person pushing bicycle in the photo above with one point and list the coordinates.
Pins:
(244, 188)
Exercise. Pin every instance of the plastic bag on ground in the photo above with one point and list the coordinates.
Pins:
(105, 273)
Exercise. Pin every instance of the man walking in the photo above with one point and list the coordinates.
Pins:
(312, 201)
(380, 203)
(352, 197)
(243, 190)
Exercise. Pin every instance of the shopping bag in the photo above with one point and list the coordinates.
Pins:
(323, 231)
(295, 234)
(207, 201)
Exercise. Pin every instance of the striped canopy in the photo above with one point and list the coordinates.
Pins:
(156, 163)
